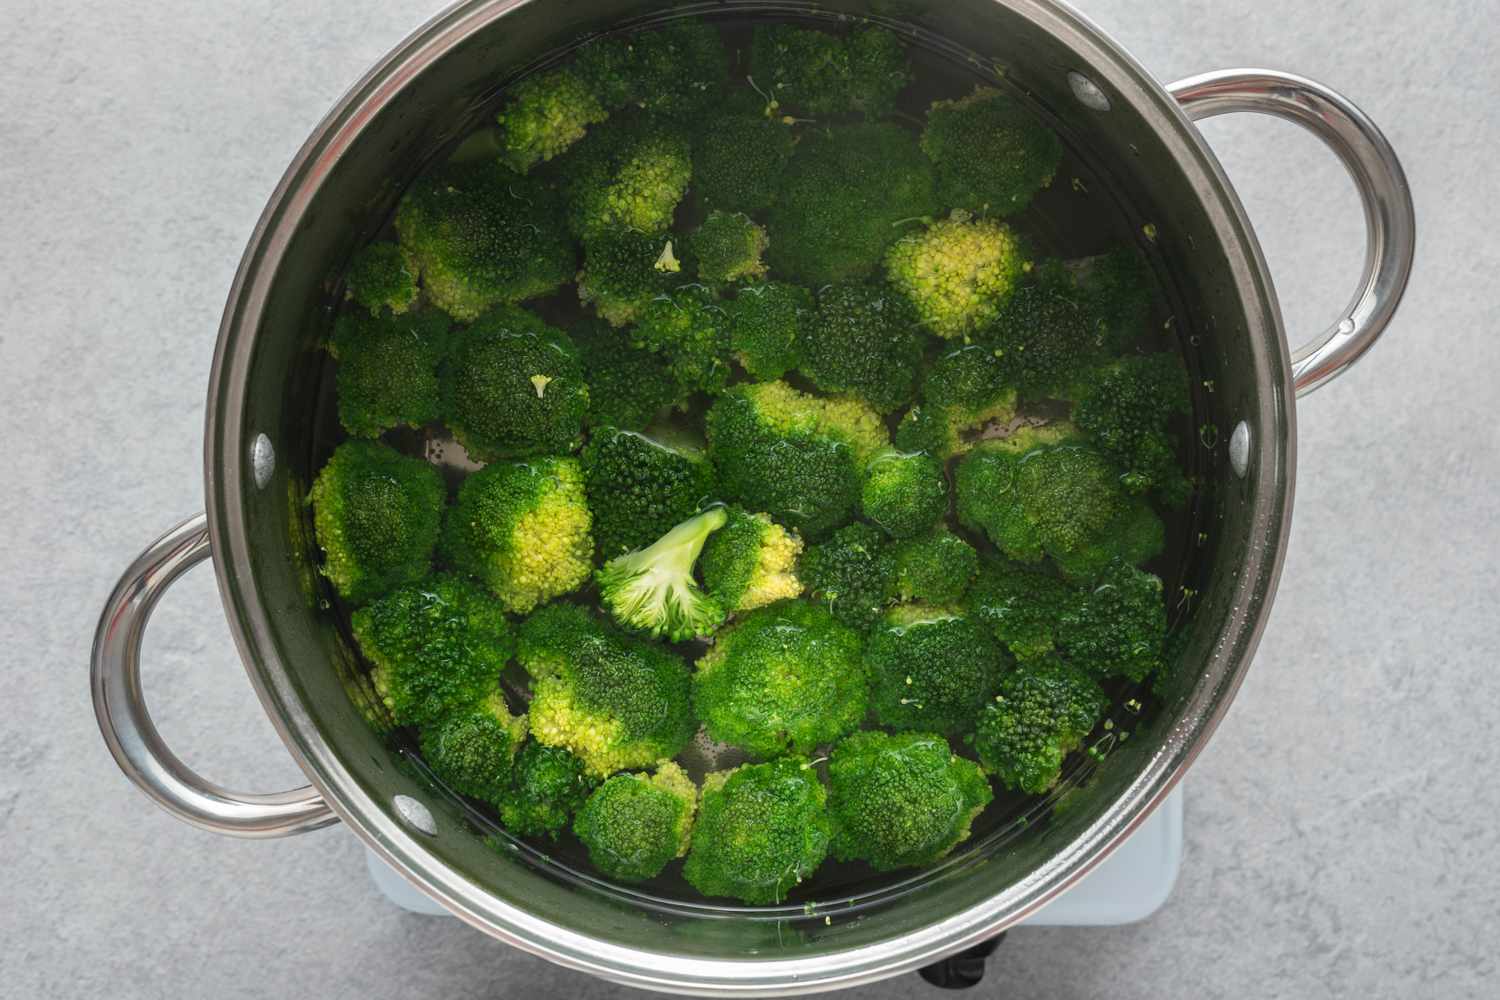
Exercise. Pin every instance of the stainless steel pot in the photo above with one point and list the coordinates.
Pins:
(258, 457)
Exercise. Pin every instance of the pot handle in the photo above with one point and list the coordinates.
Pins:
(1390, 221)
(120, 706)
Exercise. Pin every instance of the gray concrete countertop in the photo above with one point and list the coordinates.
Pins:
(1341, 829)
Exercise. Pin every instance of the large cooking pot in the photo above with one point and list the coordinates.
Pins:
(259, 455)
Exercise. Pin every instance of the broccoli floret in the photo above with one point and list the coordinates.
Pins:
(727, 248)
(547, 786)
(380, 277)
(471, 748)
(932, 669)
(786, 677)
(1124, 408)
(1046, 333)
(1045, 492)
(935, 568)
(616, 701)
(628, 386)
(514, 387)
(652, 590)
(691, 328)
(863, 340)
(387, 374)
(376, 515)
(1043, 711)
(640, 486)
(957, 272)
(842, 198)
(544, 115)
(901, 800)
(523, 529)
(482, 235)
(1116, 627)
(634, 824)
(750, 562)
(966, 389)
(766, 328)
(904, 492)
(679, 69)
(762, 829)
(437, 647)
(623, 270)
(628, 173)
(1119, 289)
(795, 456)
(605, 65)
(852, 573)
(738, 161)
(814, 73)
(991, 154)
(1021, 605)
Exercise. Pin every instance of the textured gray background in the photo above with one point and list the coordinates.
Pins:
(1341, 829)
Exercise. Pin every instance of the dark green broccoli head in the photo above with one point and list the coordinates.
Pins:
(623, 270)
(379, 277)
(482, 235)
(437, 647)
(640, 486)
(863, 340)
(852, 573)
(547, 786)
(842, 198)
(605, 65)
(1119, 289)
(992, 155)
(814, 73)
(738, 160)
(376, 515)
(514, 387)
(387, 374)
(1118, 626)
(905, 492)
(1044, 710)
(634, 824)
(967, 389)
(471, 748)
(750, 562)
(1021, 605)
(629, 386)
(957, 273)
(523, 529)
(691, 328)
(543, 115)
(727, 248)
(901, 800)
(1125, 407)
(628, 173)
(935, 568)
(786, 677)
(761, 830)
(679, 69)
(932, 669)
(652, 590)
(766, 328)
(1046, 333)
(615, 701)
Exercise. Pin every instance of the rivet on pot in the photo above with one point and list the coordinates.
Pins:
(262, 460)
(1087, 91)
(1239, 449)
(414, 814)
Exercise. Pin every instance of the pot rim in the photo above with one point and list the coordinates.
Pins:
(229, 484)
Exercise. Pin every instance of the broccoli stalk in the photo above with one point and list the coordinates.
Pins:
(653, 590)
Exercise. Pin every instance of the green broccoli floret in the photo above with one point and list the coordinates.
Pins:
(1125, 407)
(762, 829)
(544, 115)
(376, 516)
(616, 701)
(786, 677)
(628, 173)
(387, 374)
(901, 800)
(523, 529)
(795, 456)
(1044, 710)
(992, 155)
(547, 786)
(679, 69)
(863, 340)
(967, 389)
(750, 562)
(738, 161)
(623, 270)
(727, 248)
(1021, 605)
(628, 386)
(932, 669)
(935, 568)
(842, 199)
(1043, 491)
(957, 272)
(437, 647)
(606, 65)
(379, 277)
(652, 590)
(814, 73)
(514, 387)
(634, 824)
(1116, 627)
(482, 235)
(904, 492)
(766, 328)
(691, 328)
(1047, 333)
(1119, 289)
(852, 573)
(641, 486)
(471, 748)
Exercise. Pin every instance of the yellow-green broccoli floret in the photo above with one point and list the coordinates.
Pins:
(1022, 605)
(905, 493)
(387, 373)
(786, 677)
(1116, 626)
(762, 829)
(623, 270)
(935, 568)
(932, 669)
(379, 277)
(1125, 407)
(727, 247)
(376, 515)
(634, 824)
(1043, 711)
(629, 386)
(863, 340)
(738, 160)
(751, 562)
(652, 590)
(903, 799)
(690, 327)
(628, 173)
(817, 74)
(547, 786)
(523, 529)
(544, 115)
(471, 748)
(642, 485)
(851, 573)
(967, 389)
(767, 324)
(991, 154)
(957, 272)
